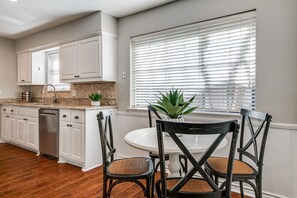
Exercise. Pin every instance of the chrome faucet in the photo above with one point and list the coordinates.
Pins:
(55, 95)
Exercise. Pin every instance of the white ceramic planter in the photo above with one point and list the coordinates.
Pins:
(95, 103)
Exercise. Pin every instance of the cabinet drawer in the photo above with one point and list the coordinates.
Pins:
(9, 110)
(65, 115)
(72, 116)
(28, 112)
(77, 116)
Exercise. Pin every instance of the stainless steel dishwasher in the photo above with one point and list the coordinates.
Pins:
(49, 132)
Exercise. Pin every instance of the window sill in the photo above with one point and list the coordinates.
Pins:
(197, 114)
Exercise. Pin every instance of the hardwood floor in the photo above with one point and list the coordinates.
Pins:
(23, 174)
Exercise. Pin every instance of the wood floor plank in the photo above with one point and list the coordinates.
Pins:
(25, 175)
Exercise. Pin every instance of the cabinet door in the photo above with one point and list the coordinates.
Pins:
(5, 127)
(68, 61)
(64, 140)
(88, 58)
(11, 128)
(76, 141)
(20, 131)
(32, 133)
(24, 68)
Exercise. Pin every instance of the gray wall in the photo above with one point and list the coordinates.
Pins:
(98, 21)
(8, 69)
(276, 46)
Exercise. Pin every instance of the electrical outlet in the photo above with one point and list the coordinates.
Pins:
(124, 75)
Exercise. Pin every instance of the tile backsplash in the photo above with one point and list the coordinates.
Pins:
(107, 89)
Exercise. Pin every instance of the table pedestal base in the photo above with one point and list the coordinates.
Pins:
(174, 165)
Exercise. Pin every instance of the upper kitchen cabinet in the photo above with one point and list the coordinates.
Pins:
(31, 68)
(24, 68)
(90, 59)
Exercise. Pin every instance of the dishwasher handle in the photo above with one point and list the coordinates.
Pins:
(48, 114)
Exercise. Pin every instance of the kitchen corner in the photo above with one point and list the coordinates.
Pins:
(78, 137)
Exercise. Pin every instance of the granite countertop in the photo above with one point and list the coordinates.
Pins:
(57, 106)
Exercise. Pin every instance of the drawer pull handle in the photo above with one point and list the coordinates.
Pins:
(7, 116)
(76, 117)
(64, 116)
(11, 110)
(25, 119)
(70, 125)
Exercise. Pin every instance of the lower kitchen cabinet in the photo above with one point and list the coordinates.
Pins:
(27, 132)
(8, 128)
(18, 128)
(71, 142)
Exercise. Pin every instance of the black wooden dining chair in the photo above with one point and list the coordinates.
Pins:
(121, 170)
(245, 171)
(154, 156)
(191, 185)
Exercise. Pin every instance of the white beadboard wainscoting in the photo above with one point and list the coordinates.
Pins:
(280, 162)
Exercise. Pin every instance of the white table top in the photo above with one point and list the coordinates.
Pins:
(146, 139)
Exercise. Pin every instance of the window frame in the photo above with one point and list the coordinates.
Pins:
(210, 22)
(49, 88)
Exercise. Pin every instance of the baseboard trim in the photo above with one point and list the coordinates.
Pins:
(250, 192)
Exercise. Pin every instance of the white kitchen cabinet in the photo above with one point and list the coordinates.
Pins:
(32, 68)
(68, 61)
(71, 141)
(71, 137)
(24, 68)
(27, 132)
(20, 126)
(8, 124)
(86, 60)
(21, 131)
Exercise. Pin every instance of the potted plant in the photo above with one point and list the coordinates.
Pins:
(173, 105)
(95, 97)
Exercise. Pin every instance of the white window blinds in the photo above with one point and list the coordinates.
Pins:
(54, 73)
(214, 60)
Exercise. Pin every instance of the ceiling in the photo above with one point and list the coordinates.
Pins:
(18, 19)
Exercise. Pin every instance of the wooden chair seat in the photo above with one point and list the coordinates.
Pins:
(130, 166)
(220, 164)
(193, 185)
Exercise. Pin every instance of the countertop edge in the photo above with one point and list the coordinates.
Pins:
(58, 106)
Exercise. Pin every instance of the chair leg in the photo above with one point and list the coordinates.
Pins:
(216, 180)
(104, 188)
(241, 189)
(259, 187)
(148, 187)
(153, 184)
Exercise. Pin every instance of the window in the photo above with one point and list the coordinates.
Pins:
(54, 72)
(214, 60)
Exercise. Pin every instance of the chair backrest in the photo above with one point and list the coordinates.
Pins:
(106, 137)
(221, 130)
(252, 143)
(150, 109)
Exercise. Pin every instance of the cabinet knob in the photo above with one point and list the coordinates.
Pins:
(7, 116)
(23, 80)
(11, 110)
(64, 116)
(4, 109)
(67, 125)
(70, 125)
(77, 76)
(25, 119)
(76, 117)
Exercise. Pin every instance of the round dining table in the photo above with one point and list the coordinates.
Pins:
(146, 139)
